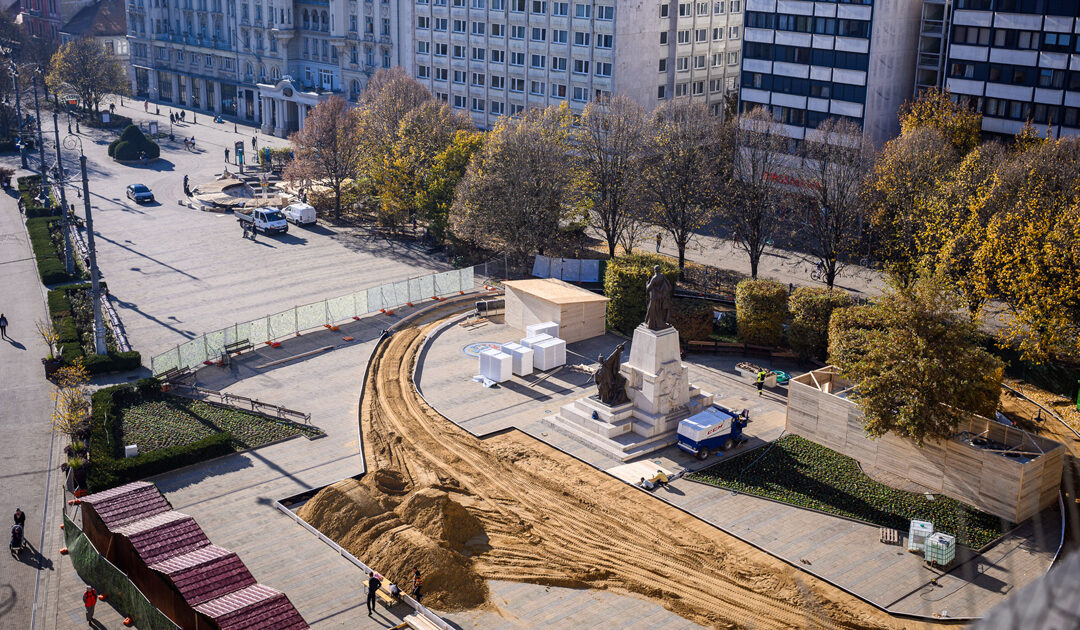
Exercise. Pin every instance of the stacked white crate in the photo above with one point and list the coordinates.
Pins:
(543, 328)
(549, 353)
(496, 365)
(522, 358)
(530, 340)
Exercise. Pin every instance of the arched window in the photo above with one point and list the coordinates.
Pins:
(274, 73)
(325, 22)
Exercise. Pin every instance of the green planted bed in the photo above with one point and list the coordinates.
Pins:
(806, 474)
(170, 421)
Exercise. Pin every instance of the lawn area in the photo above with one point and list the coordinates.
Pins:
(805, 474)
(174, 421)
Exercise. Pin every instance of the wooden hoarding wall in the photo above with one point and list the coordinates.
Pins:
(984, 479)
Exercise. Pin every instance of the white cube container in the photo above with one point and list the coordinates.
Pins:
(522, 358)
(496, 365)
(940, 548)
(131, 450)
(549, 354)
(917, 535)
(529, 342)
(543, 328)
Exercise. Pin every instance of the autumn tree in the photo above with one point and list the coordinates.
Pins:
(388, 97)
(1030, 256)
(403, 173)
(447, 169)
(916, 363)
(835, 159)
(82, 67)
(754, 155)
(327, 149)
(678, 170)
(609, 147)
(71, 400)
(517, 188)
(935, 109)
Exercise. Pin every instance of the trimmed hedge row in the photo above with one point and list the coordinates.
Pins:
(761, 310)
(624, 285)
(109, 468)
(50, 267)
(811, 308)
(69, 338)
(693, 319)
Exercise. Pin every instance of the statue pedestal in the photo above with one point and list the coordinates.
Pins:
(660, 396)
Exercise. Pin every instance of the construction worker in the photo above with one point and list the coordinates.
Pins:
(659, 240)
(89, 601)
(417, 582)
(761, 375)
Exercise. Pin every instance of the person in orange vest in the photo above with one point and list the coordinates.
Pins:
(90, 600)
(417, 582)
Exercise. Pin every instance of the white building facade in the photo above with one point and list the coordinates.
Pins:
(808, 61)
(1014, 61)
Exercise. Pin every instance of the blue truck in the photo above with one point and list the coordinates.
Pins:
(714, 429)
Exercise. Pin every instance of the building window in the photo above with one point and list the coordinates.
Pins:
(536, 88)
(478, 104)
(661, 92)
(581, 94)
(583, 11)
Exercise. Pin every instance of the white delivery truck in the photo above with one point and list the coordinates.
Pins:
(266, 220)
(300, 214)
(714, 429)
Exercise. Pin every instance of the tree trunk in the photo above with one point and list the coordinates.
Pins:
(337, 202)
(611, 242)
(753, 265)
(682, 258)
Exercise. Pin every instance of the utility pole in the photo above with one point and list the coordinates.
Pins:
(69, 264)
(19, 114)
(95, 287)
(41, 151)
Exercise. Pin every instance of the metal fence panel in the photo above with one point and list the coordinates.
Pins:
(165, 361)
(259, 331)
(375, 299)
(360, 303)
(310, 316)
(193, 352)
(282, 324)
(425, 288)
(446, 282)
(465, 283)
(401, 293)
(215, 343)
(340, 308)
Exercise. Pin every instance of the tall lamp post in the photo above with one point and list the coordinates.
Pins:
(61, 177)
(41, 150)
(95, 286)
(18, 113)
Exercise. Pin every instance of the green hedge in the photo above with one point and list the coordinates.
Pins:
(811, 308)
(109, 468)
(761, 310)
(624, 285)
(693, 319)
(69, 337)
(131, 144)
(113, 362)
(50, 267)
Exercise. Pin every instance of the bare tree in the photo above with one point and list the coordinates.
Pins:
(753, 171)
(327, 150)
(678, 172)
(83, 67)
(609, 145)
(835, 160)
(516, 189)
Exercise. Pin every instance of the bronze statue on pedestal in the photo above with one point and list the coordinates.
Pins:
(659, 293)
(610, 385)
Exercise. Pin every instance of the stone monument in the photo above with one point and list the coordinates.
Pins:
(637, 409)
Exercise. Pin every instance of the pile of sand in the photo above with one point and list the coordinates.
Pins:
(393, 533)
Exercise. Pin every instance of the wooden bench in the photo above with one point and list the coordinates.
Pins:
(417, 621)
(386, 598)
(172, 375)
(237, 347)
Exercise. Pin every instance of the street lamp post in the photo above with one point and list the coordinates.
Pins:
(69, 264)
(18, 114)
(95, 285)
(41, 150)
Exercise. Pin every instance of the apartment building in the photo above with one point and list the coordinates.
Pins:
(1015, 60)
(808, 61)
(264, 61)
(498, 57)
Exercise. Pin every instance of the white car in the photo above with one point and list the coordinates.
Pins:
(300, 214)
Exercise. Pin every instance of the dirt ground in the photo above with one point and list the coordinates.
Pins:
(547, 518)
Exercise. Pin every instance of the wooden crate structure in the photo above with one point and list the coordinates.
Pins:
(580, 313)
(1012, 486)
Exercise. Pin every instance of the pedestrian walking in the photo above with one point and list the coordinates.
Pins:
(3, 327)
(112, 108)
(20, 517)
(187, 190)
(373, 585)
(761, 381)
(659, 240)
(244, 227)
(192, 143)
(254, 144)
(417, 583)
(89, 601)
(226, 155)
(146, 106)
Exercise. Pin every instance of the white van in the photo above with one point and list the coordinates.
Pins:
(300, 214)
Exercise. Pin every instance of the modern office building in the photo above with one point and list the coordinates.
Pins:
(808, 61)
(262, 61)
(497, 57)
(1016, 60)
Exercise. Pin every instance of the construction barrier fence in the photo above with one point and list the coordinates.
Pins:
(107, 580)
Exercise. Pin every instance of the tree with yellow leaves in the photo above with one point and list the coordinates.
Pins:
(936, 109)
(71, 401)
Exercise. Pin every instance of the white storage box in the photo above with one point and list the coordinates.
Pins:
(940, 549)
(529, 342)
(131, 450)
(549, 354)
(496, 365)
(543, 328)
(918, 533)
(522, 358)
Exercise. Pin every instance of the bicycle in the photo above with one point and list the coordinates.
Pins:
(818, 274)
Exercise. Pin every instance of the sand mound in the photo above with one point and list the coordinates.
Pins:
(428, 530)
(440, 518)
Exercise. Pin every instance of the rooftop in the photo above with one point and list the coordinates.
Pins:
(127, 503)
(164, 536)
(554, 291)
(256, 607)
(106, 18)
(205, 573)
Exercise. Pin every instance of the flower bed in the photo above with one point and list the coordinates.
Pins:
(168, 421)
(72, 317)
(805, 474)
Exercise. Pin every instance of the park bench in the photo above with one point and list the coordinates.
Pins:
(238, 346)
(389, 600)
(172, 375)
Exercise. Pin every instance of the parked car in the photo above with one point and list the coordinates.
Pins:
(139, 193)
(300, 214)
